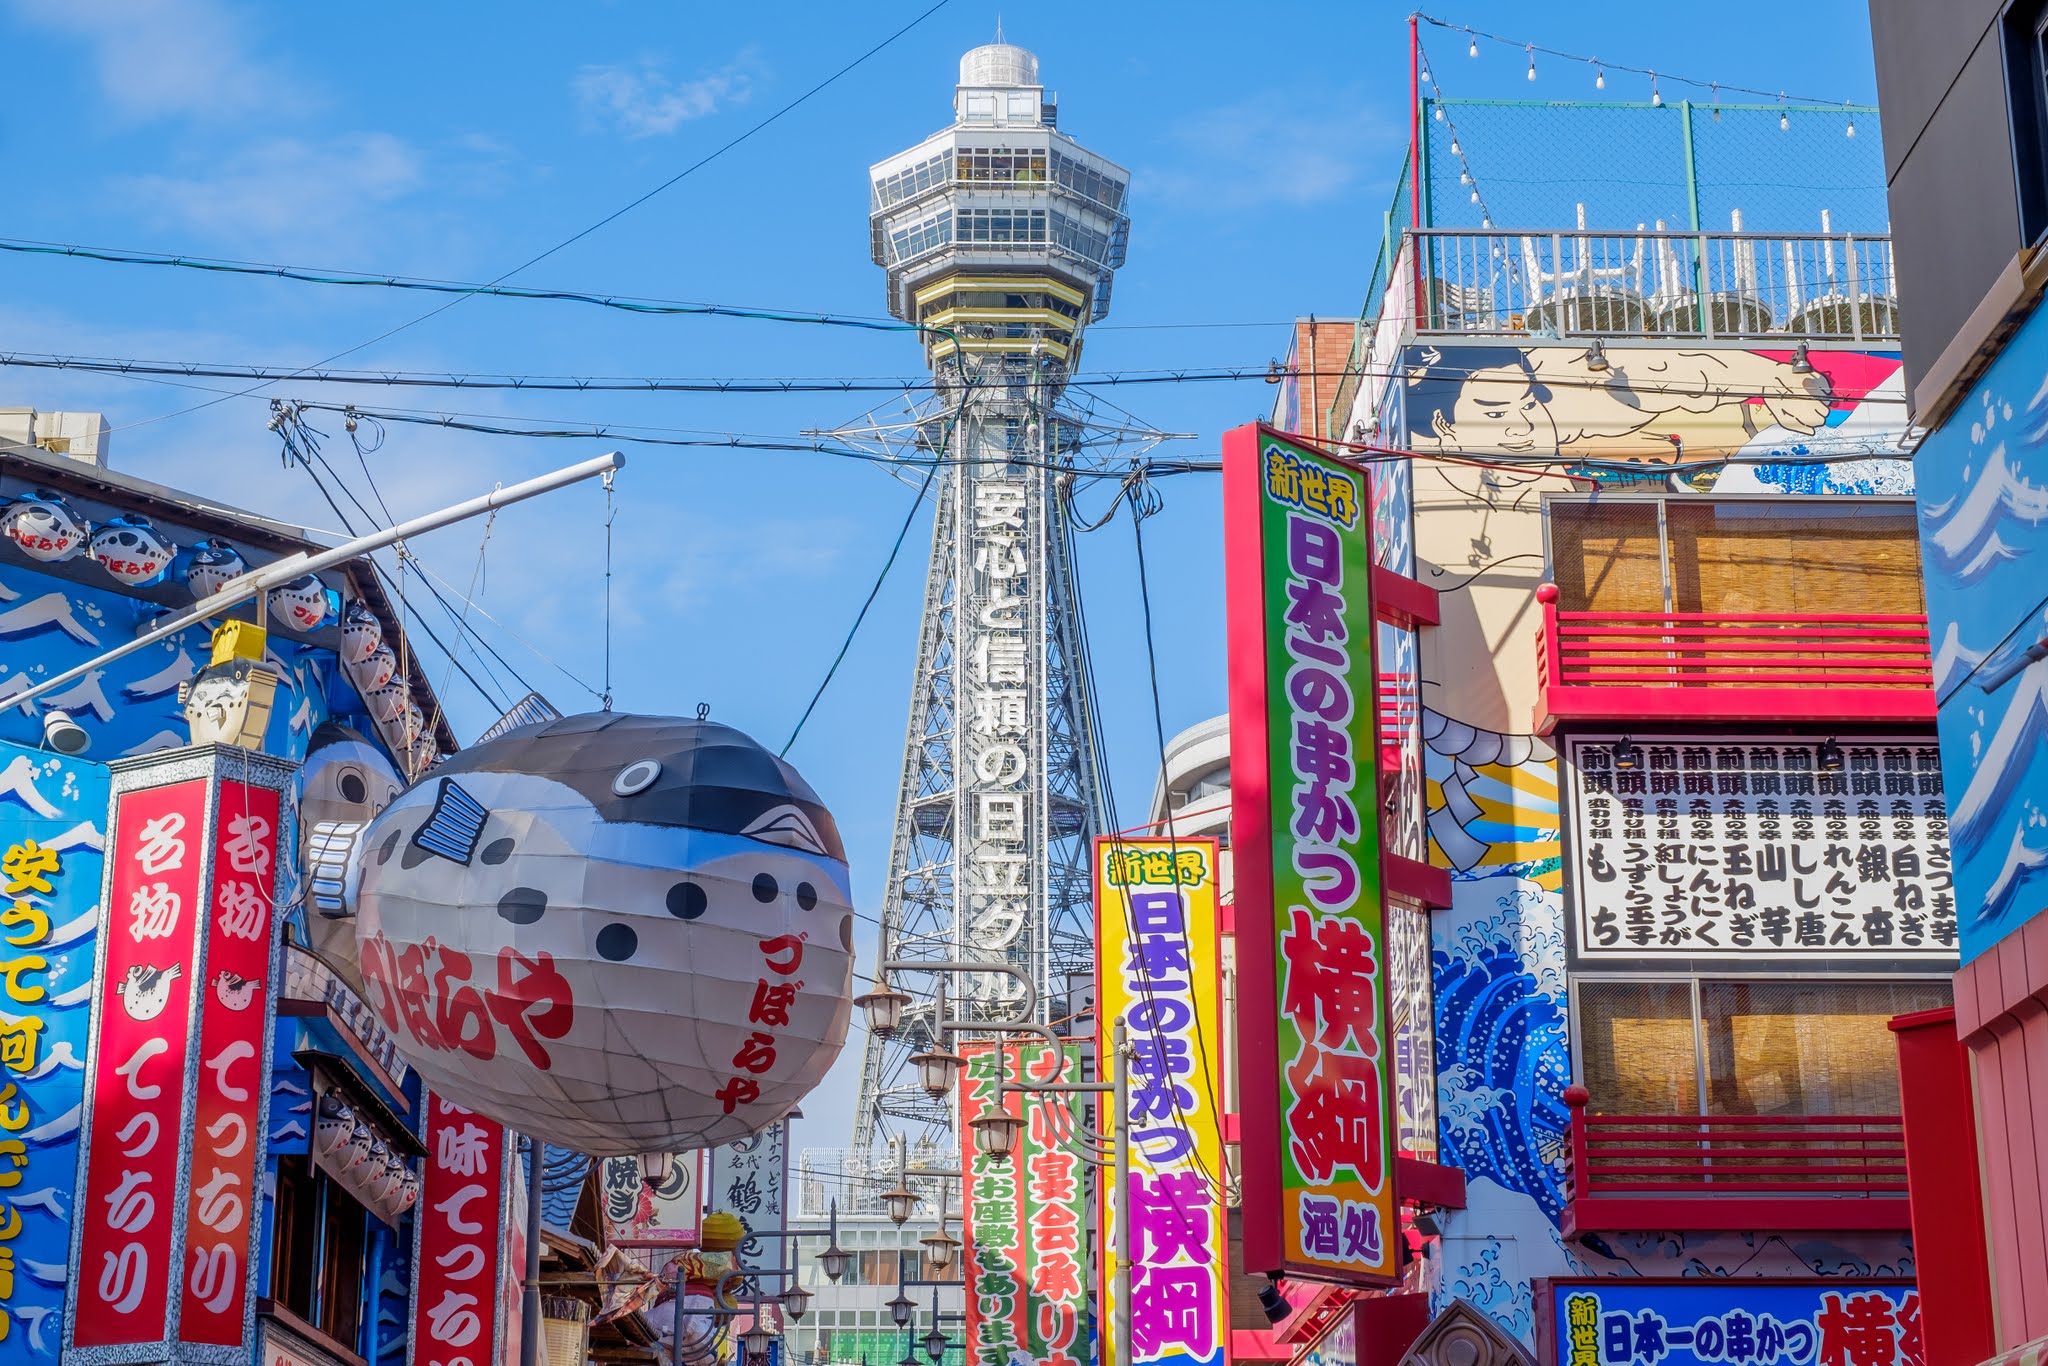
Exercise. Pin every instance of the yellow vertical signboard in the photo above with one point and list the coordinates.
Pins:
(1156, 970)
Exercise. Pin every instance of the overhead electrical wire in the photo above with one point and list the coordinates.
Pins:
(695, 166)
(418, 379)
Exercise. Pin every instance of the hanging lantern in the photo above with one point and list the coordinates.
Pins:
(214, 565)
(300, 605)
(333, 1125)
(361, 632)
(130, 549)
(44, 527)
(354, 1153)
(632, 934)
(373, 671)
(386, 702)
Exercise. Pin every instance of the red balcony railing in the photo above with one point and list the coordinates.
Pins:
(1778, 1173)
(1731, 666)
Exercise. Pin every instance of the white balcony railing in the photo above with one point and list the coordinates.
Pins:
(1750, 286)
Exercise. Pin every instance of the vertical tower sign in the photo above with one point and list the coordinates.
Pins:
(999, 235)
(1314, 1057)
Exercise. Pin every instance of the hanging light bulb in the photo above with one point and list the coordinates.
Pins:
(1472, 51)
(1487, 223)
(1656, 96)
(1532, 61)
(1454, 146)
(1439, 113)
(1464, 177)
(1599, 77)
(1475, 194)
(1850, 131)
(1714, 95)
(1784, 119)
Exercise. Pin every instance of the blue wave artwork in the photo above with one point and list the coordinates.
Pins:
(1983, 499)
(1501, 1115)
(130, 706)
(58, 805)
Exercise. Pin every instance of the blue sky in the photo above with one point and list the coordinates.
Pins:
(455, 141)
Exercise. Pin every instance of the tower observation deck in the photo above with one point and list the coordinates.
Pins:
(1000, 234)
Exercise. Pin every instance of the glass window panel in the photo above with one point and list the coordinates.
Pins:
(1636, 1049)
(1806, 1048)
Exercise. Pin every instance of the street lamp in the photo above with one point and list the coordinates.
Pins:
(832, 1261)
(884, 1007)
(997, 1134)
(935, 1343)
(935, 1068)
(902, 1309)
(796, 1302)
(939, 1249)
(756, 1341)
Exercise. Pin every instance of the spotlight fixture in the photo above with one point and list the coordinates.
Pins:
(1628, 755)
(1802, 364)
(1830, 756)
(1596, 356)
(62, 735)
(1272, 1303)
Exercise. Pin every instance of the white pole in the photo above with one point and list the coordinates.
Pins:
(297, 566)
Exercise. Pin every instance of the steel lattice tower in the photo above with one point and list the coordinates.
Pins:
(1000, 235)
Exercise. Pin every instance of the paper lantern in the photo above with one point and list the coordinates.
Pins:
(629, 934)
(374, 670)
(361, 632)
(132, 551)
(333, 1124)
(214, 565)
(44, 527)
(386, 702)
(300, 605)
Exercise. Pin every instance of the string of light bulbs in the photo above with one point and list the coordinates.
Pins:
(1437, 111)
(1787, 104)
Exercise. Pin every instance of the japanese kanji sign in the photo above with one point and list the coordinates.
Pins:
(1027, 1260)
(746, 1180)
(50, 866)
(235, 1013)
(1157, 971)
(459, 1240)
(639, 1212)
(1843, 1322)
(1314, 1056)
(142, 1091)
(1744, 847)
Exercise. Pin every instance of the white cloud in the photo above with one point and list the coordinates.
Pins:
(641, 101)
(168, 57)
(283, 192)
(1307, 151)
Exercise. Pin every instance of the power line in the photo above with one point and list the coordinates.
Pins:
(609, 218)
(306, 275)
(143, 369)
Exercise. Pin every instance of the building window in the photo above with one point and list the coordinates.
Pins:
(318, 1252)
(2025, 37)
(1748, 1046)
(1735, 555)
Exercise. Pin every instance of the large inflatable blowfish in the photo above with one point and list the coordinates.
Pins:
(629, 934)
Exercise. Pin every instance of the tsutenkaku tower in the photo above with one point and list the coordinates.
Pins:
(999, 234)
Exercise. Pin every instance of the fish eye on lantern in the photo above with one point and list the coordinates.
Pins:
(636, 778)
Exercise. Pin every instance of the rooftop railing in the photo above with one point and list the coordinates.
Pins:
(1763, 287)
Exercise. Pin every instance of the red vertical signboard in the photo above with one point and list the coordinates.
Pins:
(459, 1237)
(233, 1024)
(127, 1213)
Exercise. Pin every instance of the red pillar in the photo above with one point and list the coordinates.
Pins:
(1950, 1256)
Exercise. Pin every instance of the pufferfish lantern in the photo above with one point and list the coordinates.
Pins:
(300, 605)
(632, 934)
(361, 632)
(44, 526)
(132, 550)
(214, 565)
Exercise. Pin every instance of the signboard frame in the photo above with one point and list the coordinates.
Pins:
(1548, 1288)
(1266, 858)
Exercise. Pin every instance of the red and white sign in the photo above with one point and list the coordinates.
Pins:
(234, 1016)
(460, 1236)
(151, 925)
